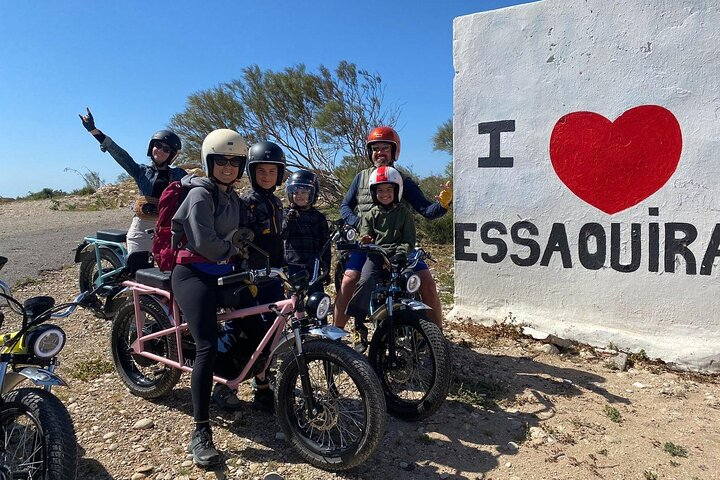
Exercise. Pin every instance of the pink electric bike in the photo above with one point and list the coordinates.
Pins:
(328, 401)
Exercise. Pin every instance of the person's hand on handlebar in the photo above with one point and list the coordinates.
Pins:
(398, 259)
(242, 236)
(366, 239)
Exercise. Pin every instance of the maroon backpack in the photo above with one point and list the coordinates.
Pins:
(162, 249)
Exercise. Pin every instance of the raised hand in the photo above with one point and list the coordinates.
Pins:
(445, 197)
(87, 120)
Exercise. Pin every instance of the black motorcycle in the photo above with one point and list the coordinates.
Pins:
(407, 350)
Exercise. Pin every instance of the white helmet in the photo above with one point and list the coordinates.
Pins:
(386, 175)
(223, 142)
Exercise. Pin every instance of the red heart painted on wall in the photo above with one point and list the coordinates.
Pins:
(615, 165)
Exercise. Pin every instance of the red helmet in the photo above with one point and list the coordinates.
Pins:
(386, 135)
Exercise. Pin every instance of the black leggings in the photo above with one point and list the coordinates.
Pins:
(195, 293)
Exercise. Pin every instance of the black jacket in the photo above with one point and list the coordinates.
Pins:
(265, 217)
(305, 233)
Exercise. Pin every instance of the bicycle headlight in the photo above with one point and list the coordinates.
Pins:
(412, 281)
(46, 341)
(318, 305)
(350, 234)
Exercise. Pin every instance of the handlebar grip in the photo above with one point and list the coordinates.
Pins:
(235, 278)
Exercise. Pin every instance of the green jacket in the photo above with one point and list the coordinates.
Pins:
(392, 229)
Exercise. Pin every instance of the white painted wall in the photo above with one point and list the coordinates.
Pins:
(538, 62)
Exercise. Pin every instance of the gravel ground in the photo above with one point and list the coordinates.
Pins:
(516, 412)
(37, 238)
(519, 409)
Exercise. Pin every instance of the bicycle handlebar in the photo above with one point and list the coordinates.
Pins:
(250, 275)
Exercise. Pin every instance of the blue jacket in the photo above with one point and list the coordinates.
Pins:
(411, 193)
(144, 175)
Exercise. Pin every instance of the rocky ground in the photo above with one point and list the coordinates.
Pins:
(519, 409)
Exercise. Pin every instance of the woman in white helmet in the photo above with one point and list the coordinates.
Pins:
(206, 221)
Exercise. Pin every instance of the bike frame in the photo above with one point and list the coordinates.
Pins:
(392, 291)
(116, 247)
(283, 309)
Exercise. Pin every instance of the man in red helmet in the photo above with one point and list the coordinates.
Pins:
(383, 149)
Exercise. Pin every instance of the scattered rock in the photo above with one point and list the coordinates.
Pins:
(620, 361)
(548, 348)
(143, 424)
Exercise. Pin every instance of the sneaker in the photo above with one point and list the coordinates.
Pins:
(225, 397)
(202, 448)
(264, 400)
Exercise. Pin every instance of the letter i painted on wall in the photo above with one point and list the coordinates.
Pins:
(494, 160)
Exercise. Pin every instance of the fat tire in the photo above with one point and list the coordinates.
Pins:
(398, 407)
(53, 419)
(88, 267)
(124, 360)
(356, 366)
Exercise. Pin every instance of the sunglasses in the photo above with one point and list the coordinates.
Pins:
(221, 160)
(380, 148)
(164, 148)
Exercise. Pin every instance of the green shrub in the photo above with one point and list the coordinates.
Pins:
(43, 194)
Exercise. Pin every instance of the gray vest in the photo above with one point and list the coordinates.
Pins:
(364, 198)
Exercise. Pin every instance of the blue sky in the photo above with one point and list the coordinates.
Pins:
(134, 63)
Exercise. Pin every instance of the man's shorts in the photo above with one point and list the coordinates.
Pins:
(357, 260)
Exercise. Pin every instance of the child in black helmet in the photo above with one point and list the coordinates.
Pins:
(266, 168)
(305, 229)
(151, 179)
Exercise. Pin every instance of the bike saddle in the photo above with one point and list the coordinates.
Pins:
(153, 277)
(111, 235)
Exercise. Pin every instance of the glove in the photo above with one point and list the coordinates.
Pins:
(445, 197)
(398, 259)
(292, 214)
(242, 236)
(243, 254)
(87, 120)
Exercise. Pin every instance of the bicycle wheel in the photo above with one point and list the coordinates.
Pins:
(417, 381)
(89, 271)
(144, 377)
(37, 438)
(349, 416)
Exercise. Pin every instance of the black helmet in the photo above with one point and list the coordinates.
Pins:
(303, 179)
(170, 139)
(266, 152)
